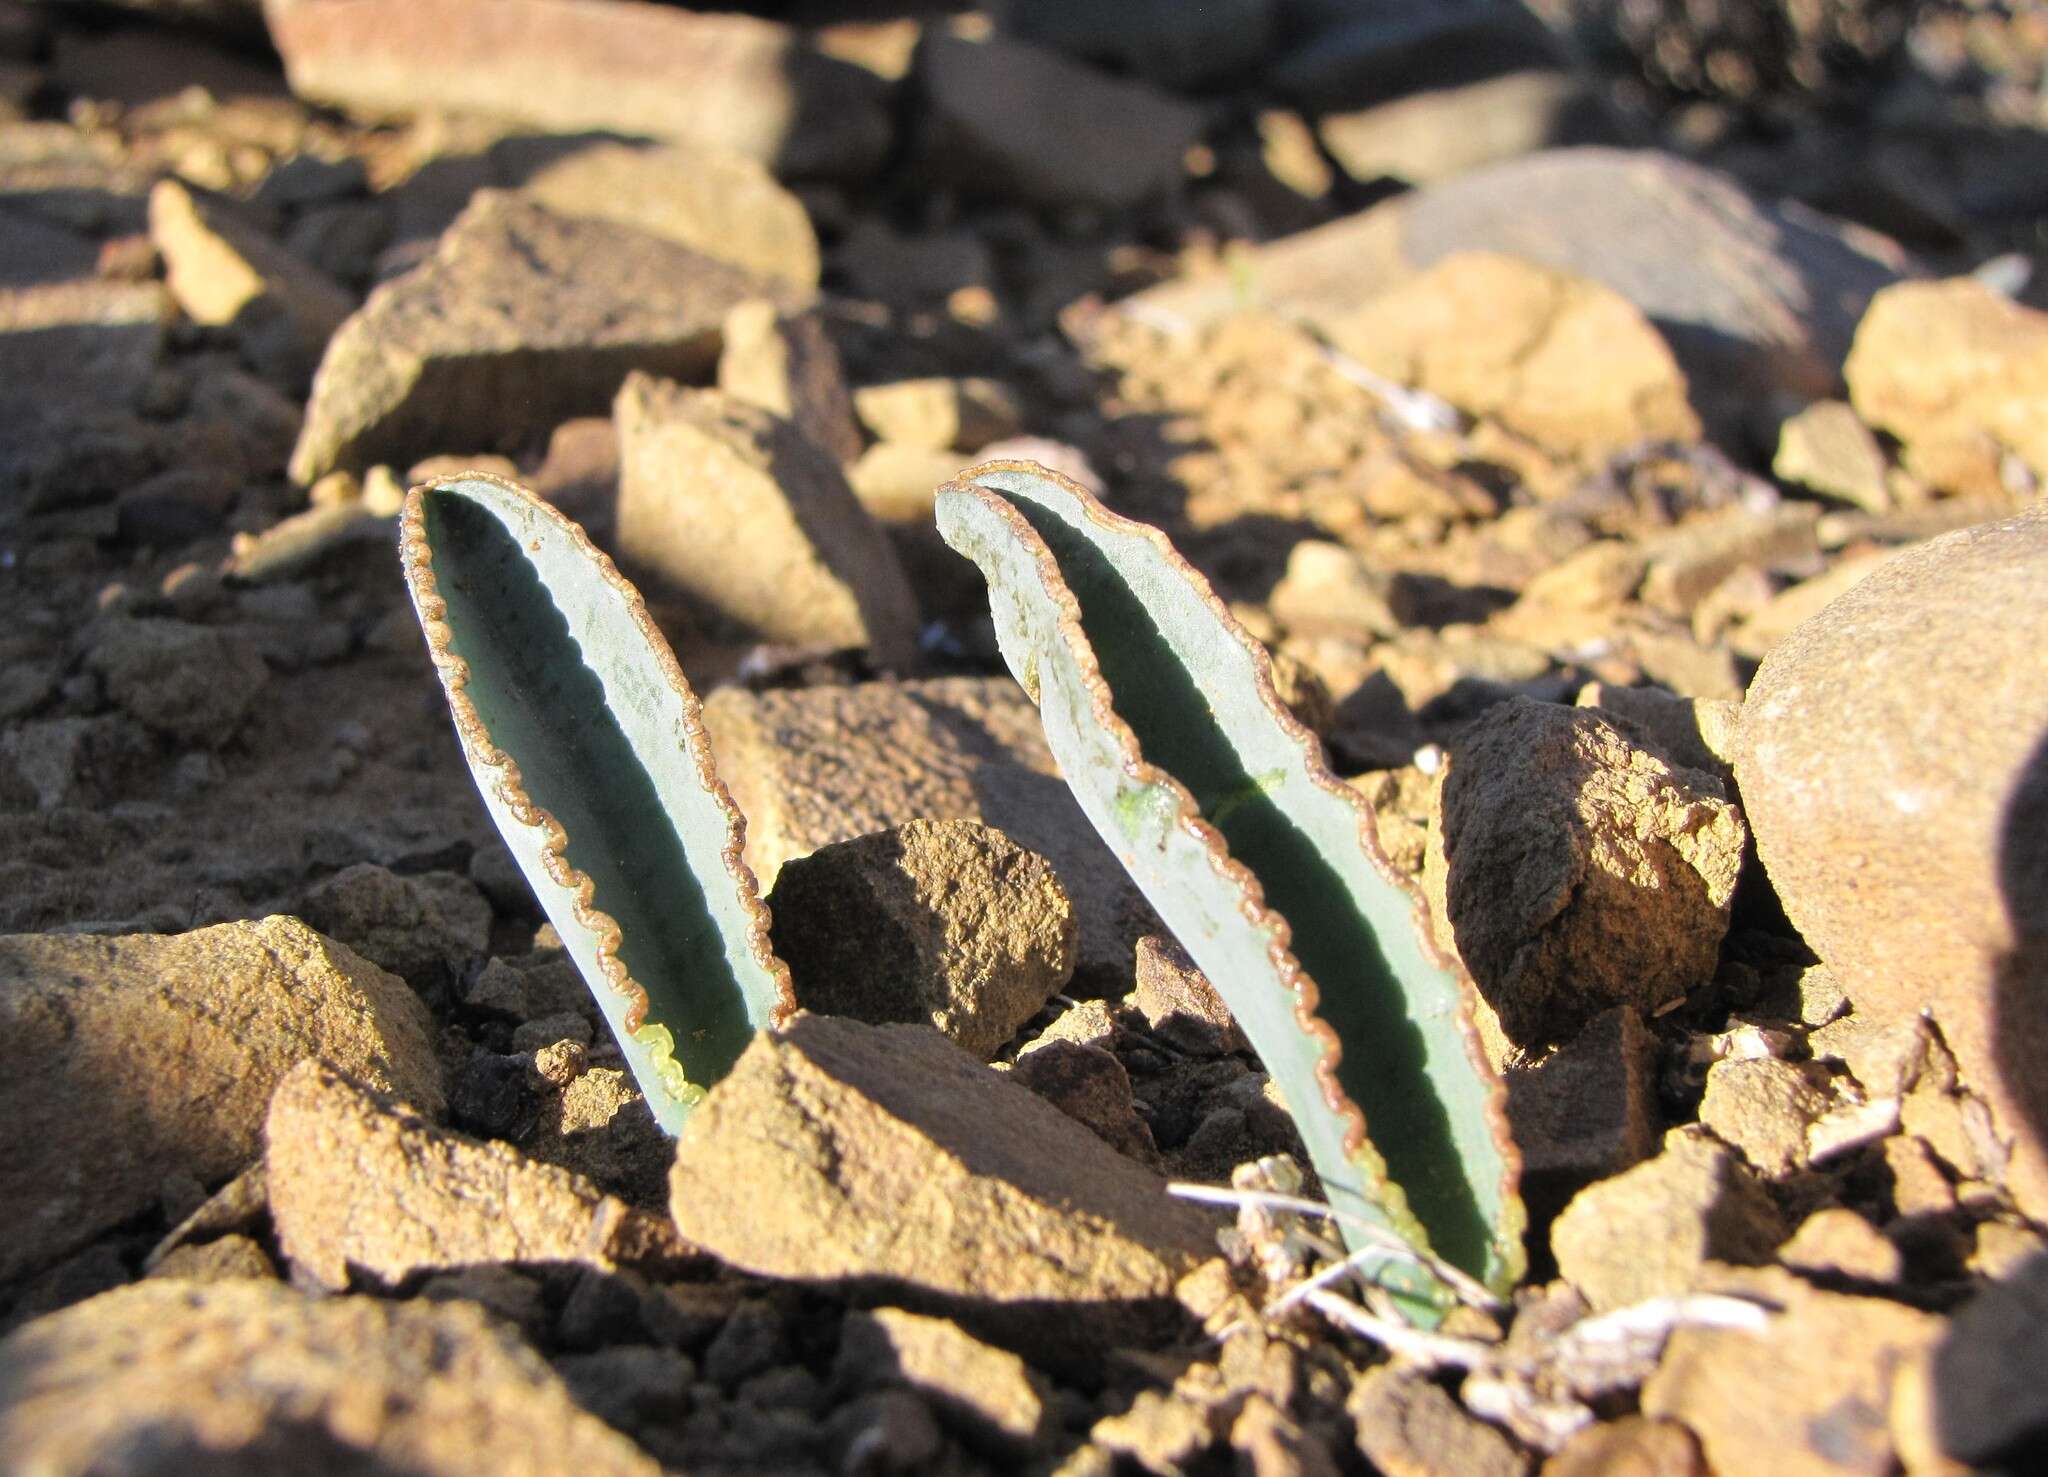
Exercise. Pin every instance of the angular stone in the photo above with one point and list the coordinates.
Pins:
(725, 206)
(1686, 564)
(427, 929)
(1753, 298)
(1576, 870)
(1586, 1111)
(1651, 1230)
(1837, 1242)
(225, 272)
(360, 1185)
(816, 765)
(1180, 1004)
(569, 66)
(148, 1056)
(172, 1376)
(944, 414)
(731, 506)
(946, 922)
(1408, 1426)
(1010, 119)
(1826, 447)
(1692, 733)
(1090, 1086)
(1763, 1107)
(223, 1259)
(887, 1159)
(520, 320)
(787, 364)
(1807, 1395)
(1560, 358)
(987, 1393)
(1960, 375)
(1891, 760)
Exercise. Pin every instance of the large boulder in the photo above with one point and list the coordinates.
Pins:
(1893, 761)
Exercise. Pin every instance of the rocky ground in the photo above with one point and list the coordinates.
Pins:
(1625, 423)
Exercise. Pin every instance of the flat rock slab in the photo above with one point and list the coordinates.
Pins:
(169, 1376)
(520, 320)
(734, 507)
(1893, 760)
(721, 81)
(811, 766)
(886, 1159)
(1752, 297)
(361, 1184)
(146, 1056)
(1008, 118)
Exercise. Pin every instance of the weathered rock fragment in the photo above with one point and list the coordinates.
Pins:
(519, 320)
(887, 1159)
(946, 922)
(144, 1056)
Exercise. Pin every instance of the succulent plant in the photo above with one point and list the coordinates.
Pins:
(591, 755)
(1161, 711)
(611, 806)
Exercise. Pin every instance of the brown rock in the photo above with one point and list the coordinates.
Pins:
(171, 1376)
(725, 206)
(1891, 760)
(991, 126)
(1960, 375)
(1687, 563)
(732, 506)
(898, 482)
(812, 766)
(598, 1126)
(571, 66)
(1600, 575)
(946, 922)
(989, 1394)
(1828, 448)
(1163, 1432)
(1763, 1107)
(1795, 605)
(942, 414)
(1652, 1230)
(427, 929)
(227, 273)
(361, 1185)
(224, 1259)
(1577, 870)
(1564, 360)
(217, 1017)
(1410, 1427)
(1328, 589)
(1630, 1447)
(786, 364)
(1179, 1003)
(1586, 1111)
(1692, 733)
(1808, 1395)
(886, 1158)
(1090, 1086)
(1836, 1242)
(1753, 299)
(520, 319)
(193, 684)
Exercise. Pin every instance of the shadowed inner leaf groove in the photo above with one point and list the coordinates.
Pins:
(1384, 1068)
(543, 704)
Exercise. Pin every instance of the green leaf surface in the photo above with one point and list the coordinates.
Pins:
(590, 753)
(1161, 712)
